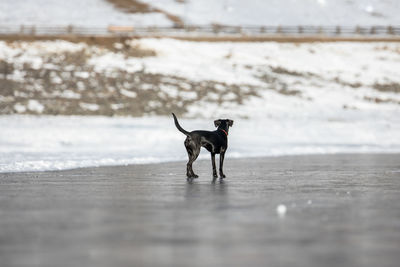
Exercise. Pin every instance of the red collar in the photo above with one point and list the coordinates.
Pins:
(224, 132)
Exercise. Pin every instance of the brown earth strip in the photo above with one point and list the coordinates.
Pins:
(390, 87)
(378, 100)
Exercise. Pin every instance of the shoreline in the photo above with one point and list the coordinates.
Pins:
(246, 158)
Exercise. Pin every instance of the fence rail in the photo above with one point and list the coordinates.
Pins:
(194, 30)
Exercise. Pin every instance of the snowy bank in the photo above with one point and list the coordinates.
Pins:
(32, 143)
(158, 76)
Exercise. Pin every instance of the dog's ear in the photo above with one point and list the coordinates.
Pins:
(230, 123)
(217, 123)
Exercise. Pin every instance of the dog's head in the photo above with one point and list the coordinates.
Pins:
(223, 124)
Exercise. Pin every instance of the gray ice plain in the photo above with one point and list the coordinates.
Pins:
(322, 210)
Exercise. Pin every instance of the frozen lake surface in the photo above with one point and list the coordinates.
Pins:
(340, 210)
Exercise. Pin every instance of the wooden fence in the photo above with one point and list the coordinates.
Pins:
(193, 30)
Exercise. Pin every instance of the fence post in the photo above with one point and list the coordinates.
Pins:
(33, 30)
(300, 29)
(279, 29)
(21, 30)
(215, 28)
(358, 30)
(320, 30)
(390, 30)
(373, 30)
(338, 30)
(70, 29)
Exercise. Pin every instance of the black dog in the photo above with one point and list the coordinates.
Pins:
(216, 142)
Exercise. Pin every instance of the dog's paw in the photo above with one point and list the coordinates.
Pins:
(195, 176)
(222, 176)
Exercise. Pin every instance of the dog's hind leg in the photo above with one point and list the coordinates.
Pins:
(213, 165)
(193, 152)
(221, 165)
(192, 157)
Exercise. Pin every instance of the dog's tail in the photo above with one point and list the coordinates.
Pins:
(178, 126)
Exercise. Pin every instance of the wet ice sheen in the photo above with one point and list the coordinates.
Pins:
(149, 215)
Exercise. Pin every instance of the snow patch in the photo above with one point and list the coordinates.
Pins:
(19, 108)
(281, 210)
(35, 106)
(73, 12)
(69, 94)
(61, 142)
(128, 93)
(89, 106)
(82, 74)
(117, 106)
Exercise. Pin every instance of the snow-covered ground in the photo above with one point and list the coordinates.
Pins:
(245, 80)
(231, 12)
(328, 76)
(90, 13)
(284, 12)
(31, 143)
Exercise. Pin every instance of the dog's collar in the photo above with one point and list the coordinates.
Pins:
(224, 132)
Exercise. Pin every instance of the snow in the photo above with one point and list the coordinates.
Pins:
(100, 13)
(35, 143)
(82, 74)
(324, 73)
(69, 94)
(19, 108)
(117, 106)
(35, 106)
(32, 52)
(128, 93)
(284, 12)
(206, 61)
(89, 106)
(91, 13)
(281, 210)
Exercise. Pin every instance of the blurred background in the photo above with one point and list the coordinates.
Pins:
(88, 83)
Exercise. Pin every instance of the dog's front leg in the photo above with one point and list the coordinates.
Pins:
(221, 164)
(213, 165)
